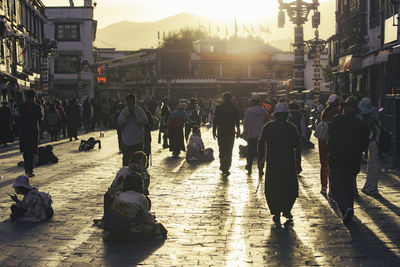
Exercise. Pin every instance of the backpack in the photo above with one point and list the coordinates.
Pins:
(321, 131)
(385, 140)
(46, 198)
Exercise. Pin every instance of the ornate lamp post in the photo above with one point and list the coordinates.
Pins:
(297, 11)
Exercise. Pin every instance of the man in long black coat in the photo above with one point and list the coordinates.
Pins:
(5, 125)
(348, 138)
(30, 116)
(226, 117)
(281, 139)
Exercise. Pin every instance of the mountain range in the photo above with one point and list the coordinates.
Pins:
(127, 35)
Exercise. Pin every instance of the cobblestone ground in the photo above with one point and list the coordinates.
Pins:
(212, 221)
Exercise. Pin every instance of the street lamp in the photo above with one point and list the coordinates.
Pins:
(298, 11)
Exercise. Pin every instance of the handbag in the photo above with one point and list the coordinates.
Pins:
(321, 131)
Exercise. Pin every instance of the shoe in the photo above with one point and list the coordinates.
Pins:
(370, 192)
(348, 216)
(29, 174)
(226, 172)
(323, 190)
(248, 168)
(277, 219)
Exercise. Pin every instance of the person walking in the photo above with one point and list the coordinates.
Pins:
(254, 119)
(74, 119)
(87, 115)
(371, 120)
(226, 117)
(297, 118)
(348, 138)
(176, 122)
(30, 116)
(327, 116)
(279, 140)
(52, 121)
(131, 120)
(165, 111)
(6, 135)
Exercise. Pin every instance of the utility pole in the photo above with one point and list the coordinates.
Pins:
(297, 11)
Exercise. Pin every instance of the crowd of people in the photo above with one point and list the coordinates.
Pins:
(274, 131)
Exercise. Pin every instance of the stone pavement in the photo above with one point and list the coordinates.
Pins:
(212, 220)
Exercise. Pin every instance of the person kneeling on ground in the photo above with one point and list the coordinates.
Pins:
(129, 218)
(89, 144)
(195, 148)
(136, 171)
(34, 207)
(44, 156)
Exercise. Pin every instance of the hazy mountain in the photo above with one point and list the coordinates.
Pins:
(127, 35)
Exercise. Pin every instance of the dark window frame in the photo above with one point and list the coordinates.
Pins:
(69, 37)
(64, 66)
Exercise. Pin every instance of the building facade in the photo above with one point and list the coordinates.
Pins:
(22, 46)
(71, 69)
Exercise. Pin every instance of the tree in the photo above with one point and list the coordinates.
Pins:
(183, 39)
(328, 73)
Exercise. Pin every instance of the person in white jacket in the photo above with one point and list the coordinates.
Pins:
(254, 119)
(195, 148)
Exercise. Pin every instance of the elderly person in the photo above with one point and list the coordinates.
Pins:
(176, 122)
(279, 140)
(254, 119)
(132, 120)
(371, 120)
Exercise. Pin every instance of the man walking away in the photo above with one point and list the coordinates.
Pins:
(226, 117)
(348, 137)
(279, 140)
(131, 120)
(371, 120)
(254, 119)
(297, 118)
(165, 111)
(30, 116)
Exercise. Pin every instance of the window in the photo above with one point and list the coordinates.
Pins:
(374, 11)
(67, 64)
(67, 32)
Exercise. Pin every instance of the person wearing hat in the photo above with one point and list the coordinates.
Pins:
(279, 140)
(226, 118)
(327, 115)
(132, 120)
(348, 138)
(254, 119)
(32, 207)
(176, 122)
(371, 119)
(30, 115)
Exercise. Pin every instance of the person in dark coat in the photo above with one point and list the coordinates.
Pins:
(176, 122)
(297, 118)
(87, 114)
(147, 131)
(348, 138)
(165, 111)
(74, 119)
(5, 125)
(279, 139)
(226, 117)
(30, 116)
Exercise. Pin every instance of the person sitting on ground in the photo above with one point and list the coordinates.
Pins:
(34, 207)
(195, 148)
(129, 218)
(45, 155)
(89, 144)
(137, 171)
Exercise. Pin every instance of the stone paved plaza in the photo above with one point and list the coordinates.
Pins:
(212, 220)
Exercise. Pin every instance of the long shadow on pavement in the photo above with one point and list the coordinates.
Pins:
(388, 205)
(364, 247)
(129, 254)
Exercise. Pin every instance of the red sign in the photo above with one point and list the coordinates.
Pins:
(101, 79)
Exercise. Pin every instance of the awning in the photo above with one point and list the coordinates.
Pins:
(368, 61)
(345, 63)
(383, 56)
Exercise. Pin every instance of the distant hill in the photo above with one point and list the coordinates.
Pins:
(127, 35)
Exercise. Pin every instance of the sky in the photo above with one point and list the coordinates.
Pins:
(245, 11)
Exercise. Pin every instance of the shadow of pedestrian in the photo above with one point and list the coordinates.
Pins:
(129, 254)
(284, 248)
(388, 205)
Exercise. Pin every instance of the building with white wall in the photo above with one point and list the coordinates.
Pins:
(71, 70)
